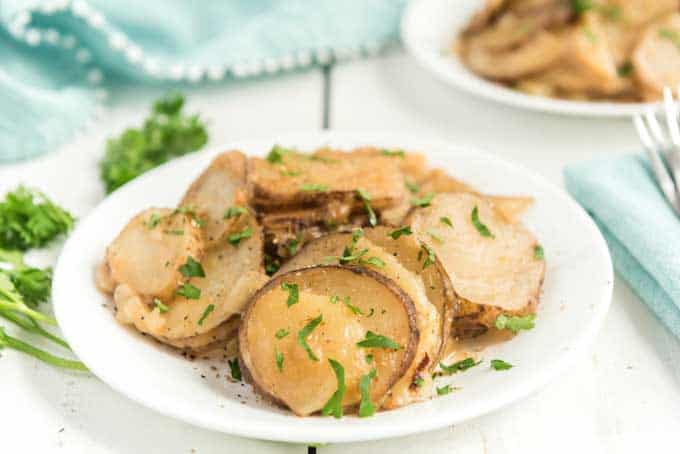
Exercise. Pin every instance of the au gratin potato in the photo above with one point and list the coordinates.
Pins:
(343, 277)
(617, 50)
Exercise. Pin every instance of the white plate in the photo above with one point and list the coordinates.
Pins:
(428, 29)
(576, 296)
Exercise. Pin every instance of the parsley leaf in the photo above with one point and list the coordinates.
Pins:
(235, 211)
(366, 407)
(153, 221)
(405, 230)
(430, 259)
(481, 228)
(293, 246)
(499, 364)
(372, 218)
(313, 187)
(306, 331)
(162, 308)
(278, 356)
(276, 154)
(423, 201)
(375, 261)
(459, 366)
(334, 299)
(444, 390)
(419, 382)
(235, 369)
(413, 187)
(235, 238)
(393, 153)
(293, 293)
(192, 268)
(355, 310)
(373, 340)
(581, 6)
(281, 333)
(166, 134)
(334, 404)
(515, 323)
(28, 219)
(209, 308)
(670, 35)
(271, 265)
(446, 221)
(538, 252)
(189, 291)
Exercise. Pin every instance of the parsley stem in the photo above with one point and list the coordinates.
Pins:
(33, 327)
(23, 309)
(16, 344)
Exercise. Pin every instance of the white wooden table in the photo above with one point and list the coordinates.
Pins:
(623, 397)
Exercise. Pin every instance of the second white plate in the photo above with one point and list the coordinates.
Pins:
(575, 299)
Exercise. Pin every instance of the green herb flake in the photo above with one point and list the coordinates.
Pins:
(305, 332)
(413, 187)
(355, 310)
(671, 35)
(162, 308)
(334, 404)
(314, 187)
(446, 221)
(590, 35)
(208, 310)
(293, 293)
(335, 299)
(235, 369)
(393, 153)
(444, 390)
(405, 230)
(279, 360)
(293, 246)
(289, 173)
(538, 252)
(281, 333)
(419, 382)
(189, 291)
(429, 253)
(271, 265)
(424, 201)
(366, 407)
(365, 196)
(234, 212)
(192, 268)
(481, 228)
(176, 232)
(374, 261)
(369, 359)
(373, 340)
(276, 154)
(581, 6)
(499, 364)
(625, 70)
(459, 366)
(153, 221)
(235, 238)
(515, 323)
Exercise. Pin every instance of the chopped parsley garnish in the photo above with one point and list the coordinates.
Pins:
(444, 390)
(446, 221)
(350, 254)
(373, 340)
(435, 236)
(314, 187)
(335, 299)
(279, 360)
(395, 234)
(611, 12)
(366, 407)
(375, 261)
(459, 366)
(189, 211)
(235, 211)
(370, 313)
(419, 382)
(355, 310)
(165, 135)
(162, 308)
(625, 70)
(538, 252)
(430, 259)
(423, 201)
(28, 219)
(153, 221)
(271, 265)
(235, 369)
(334, 404)
(176, 232)
(281, 333)
(393, 153)
(581, 6)
(276, 154)
(306, 331)
(293, 246)
(515, 323)
(670, 35)
(588, 33)
(365, 196)
(289, 173)
(189, 291)
(235, 238)
(293, 293)
(481, 228)
(413, 187)
(209, 308)
(192, 268)
(369, 359)
(499, 364)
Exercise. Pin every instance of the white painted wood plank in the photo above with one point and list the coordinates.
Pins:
(48, 410)
(624, 396)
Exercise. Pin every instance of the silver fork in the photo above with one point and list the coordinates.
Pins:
(663, 147)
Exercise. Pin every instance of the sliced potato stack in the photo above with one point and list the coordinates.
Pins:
(307, 343)
(492, 263)
(395, 259)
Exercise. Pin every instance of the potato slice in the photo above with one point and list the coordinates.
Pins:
(305, 384)
(232, 274)
(216, 337)
(491, 275)
(657, 58)
(148, 252)
(416, 384)
(219, 187)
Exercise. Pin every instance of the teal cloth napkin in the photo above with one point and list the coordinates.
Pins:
(57, 57)
(640, 227)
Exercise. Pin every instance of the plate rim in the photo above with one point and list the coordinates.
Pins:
(506, 96)
(354, 432)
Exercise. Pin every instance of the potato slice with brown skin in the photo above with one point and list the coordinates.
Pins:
(148, 252)
(303, 384)
(219, 187)
(416, 384)
(491, 275)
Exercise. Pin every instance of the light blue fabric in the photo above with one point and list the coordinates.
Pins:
(640, 227)
(57, 57)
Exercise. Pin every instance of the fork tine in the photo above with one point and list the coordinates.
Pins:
(671, 108)
(661, 174)
(654, 126)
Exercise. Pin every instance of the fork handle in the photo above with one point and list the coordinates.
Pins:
(673, 159)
